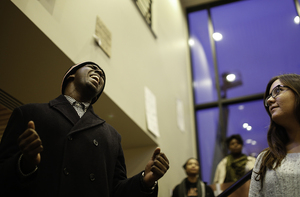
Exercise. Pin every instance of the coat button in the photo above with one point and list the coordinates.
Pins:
(70, 138)
(66, 172)
(95, 142)
(92, 177)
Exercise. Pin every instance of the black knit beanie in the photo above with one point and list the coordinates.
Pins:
(72, 70)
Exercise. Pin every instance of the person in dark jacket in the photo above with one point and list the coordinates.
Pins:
(192, 186)
(62, 148)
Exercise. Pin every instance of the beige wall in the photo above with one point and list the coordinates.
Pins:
(137, 60)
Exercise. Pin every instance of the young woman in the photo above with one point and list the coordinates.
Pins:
(277, 168)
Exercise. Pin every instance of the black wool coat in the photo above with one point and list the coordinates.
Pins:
(81, 156)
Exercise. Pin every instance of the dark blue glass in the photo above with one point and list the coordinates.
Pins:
(242, 117)
(236, 116)
(207, 129)
(260, 40)
(201, 58)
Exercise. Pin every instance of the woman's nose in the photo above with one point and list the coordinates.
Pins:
(270, 100)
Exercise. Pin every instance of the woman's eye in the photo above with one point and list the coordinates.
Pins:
(278, 90)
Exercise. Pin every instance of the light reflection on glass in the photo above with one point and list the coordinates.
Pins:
(217, 36)
(297, 20)
(191, 42)
(230, 77)
(245, 125)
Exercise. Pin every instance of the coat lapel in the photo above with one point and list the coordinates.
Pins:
(88, 120)
(62, 104)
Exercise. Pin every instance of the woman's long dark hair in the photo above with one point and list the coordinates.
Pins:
(277, 136)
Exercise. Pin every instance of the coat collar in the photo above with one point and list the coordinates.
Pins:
(88, 120)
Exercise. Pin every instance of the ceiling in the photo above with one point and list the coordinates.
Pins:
(193, 3)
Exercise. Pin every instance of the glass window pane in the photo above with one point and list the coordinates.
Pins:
(260, 40)
(207, 129)
(251, 121)
(201, 58)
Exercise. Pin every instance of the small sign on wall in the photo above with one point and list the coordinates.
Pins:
(151, 113)
(103, 36)
(180, 115)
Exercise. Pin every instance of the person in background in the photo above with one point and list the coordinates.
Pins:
(277, 169)
(235, 165)
(192, 186)
(62, 148)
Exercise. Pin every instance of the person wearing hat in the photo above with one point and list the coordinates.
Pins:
(62, 148)
(192, 186)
